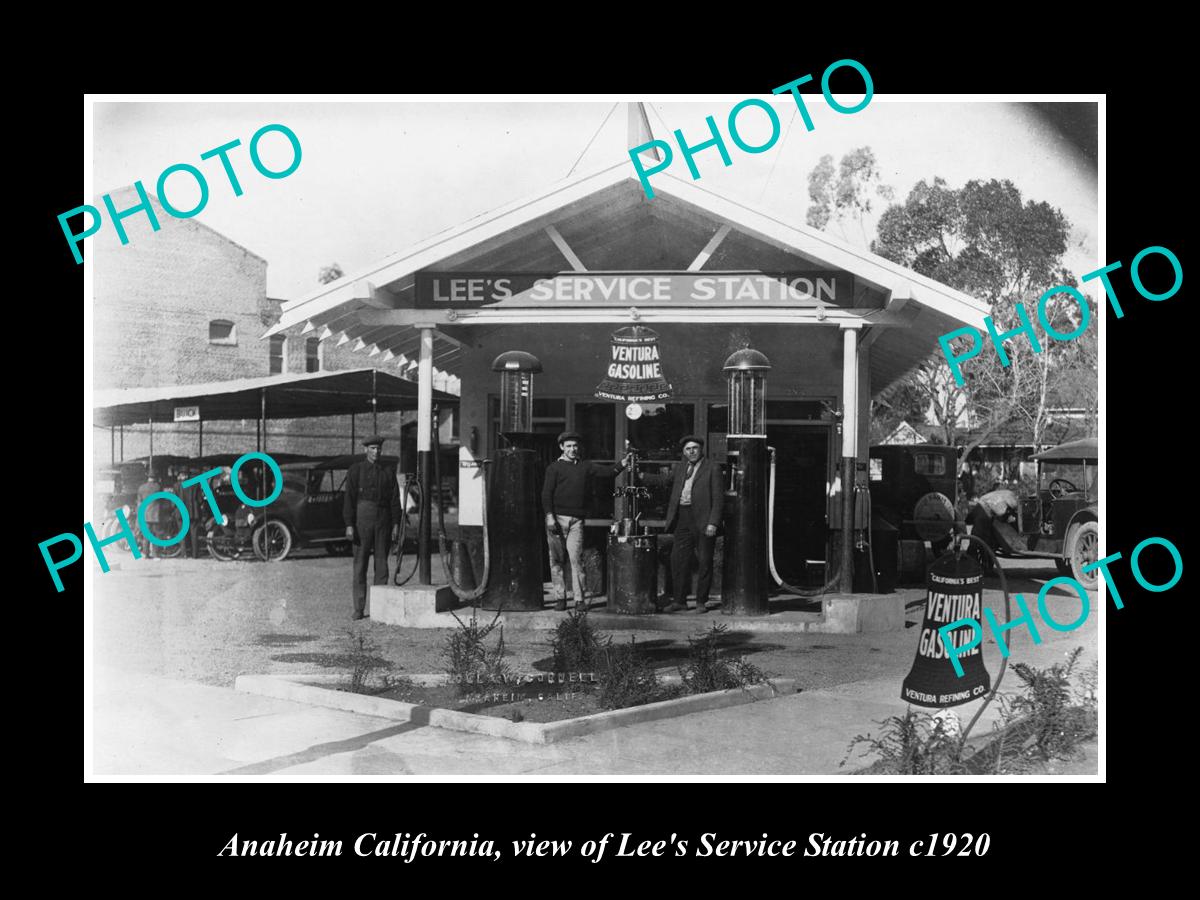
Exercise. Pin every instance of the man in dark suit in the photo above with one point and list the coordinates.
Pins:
(694, 514)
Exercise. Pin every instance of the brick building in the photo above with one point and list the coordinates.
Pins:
(186, 305)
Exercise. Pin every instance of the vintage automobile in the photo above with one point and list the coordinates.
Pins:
(914, 488)
(308, 512)
(1060, 520)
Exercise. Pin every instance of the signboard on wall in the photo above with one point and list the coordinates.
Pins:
(187, 414)
(635, 371)
(467, 290)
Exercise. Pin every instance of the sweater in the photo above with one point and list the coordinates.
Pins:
(568, 488)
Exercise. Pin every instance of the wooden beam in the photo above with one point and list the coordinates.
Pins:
(565, 249)
(709, 249)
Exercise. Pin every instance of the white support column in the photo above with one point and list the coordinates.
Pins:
(849, 451)
(424, 446)
(425, 391)
(849, 393)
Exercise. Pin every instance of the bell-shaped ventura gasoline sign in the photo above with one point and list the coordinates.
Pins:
(955, 591)
(635, 367)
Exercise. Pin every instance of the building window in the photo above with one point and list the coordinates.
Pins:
(222, 331)
(278, 353)
(312, 355)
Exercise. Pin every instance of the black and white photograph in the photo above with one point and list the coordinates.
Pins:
(675, 437)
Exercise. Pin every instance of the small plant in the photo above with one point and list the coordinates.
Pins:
(361, 660)
(1045, 721)
(469, 659)
(627, 678)
(1050, 717)
(913, 744)
(707, 670)
(577, 644)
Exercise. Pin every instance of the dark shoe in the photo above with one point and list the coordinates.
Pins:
(674, 608)
(358, 616)
(560, 605)
(712, 604)
(699, 610)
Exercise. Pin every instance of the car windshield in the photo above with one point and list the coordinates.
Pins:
(1081, 475)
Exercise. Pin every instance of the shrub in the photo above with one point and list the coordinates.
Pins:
(577, 644)
(913, 744)
(627, 678)
(707, 670)
(468, 656)
(361, 660)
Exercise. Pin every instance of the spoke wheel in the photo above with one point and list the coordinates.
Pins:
(1085, 545)
(222, 541)
(272, 541)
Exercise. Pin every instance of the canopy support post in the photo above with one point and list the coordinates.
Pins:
(424, 441)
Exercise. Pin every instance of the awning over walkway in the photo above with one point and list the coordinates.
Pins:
(287, 397)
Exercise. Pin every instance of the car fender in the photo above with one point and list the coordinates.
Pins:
(1087, 514)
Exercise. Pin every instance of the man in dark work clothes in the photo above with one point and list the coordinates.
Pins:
(372, 515)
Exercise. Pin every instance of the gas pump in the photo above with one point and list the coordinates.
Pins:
(632, 557)
(744, 584)
(515, 573)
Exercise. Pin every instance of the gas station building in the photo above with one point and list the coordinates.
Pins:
(560, 273)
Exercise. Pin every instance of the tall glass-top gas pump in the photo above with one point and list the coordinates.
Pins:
(515, 540)
(744, 584)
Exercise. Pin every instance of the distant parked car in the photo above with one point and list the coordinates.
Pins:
(1059, 520)
(307, 513)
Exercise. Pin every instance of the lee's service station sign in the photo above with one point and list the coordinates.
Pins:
(465, 290)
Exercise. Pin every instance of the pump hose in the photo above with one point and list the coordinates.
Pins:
(800, 592)
(403, 528)
(465, 596)
(1007, 617)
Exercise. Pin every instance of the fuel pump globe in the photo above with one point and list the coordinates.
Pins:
(516, 368)
(747, 373)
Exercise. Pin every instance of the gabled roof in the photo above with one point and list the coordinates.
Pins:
(344, 308)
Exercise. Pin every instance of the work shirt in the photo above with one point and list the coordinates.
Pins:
(569, 487)
(685, 498)
(369, 482)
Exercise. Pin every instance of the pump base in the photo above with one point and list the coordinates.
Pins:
(415, 606)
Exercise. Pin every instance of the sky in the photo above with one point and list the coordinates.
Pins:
(376, 177)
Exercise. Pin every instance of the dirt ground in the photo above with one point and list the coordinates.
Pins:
(209, 621)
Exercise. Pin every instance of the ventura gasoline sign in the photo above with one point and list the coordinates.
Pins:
(635, 371)
(462, 290)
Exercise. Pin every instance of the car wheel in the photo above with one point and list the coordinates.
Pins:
(1085, 547)
(221, 541)
(169, 524)
(274, 536)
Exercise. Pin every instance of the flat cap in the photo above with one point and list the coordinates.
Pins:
(683, 442)
(373, 441)
(570, 436)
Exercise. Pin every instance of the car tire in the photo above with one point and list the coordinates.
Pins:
(221, 541)
(279, 537)
(1085, 548)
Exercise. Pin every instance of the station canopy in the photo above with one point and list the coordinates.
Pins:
(597, 229)
(288, 396)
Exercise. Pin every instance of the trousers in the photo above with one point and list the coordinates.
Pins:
(372, 535)
(690, 539)
(569, 547)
